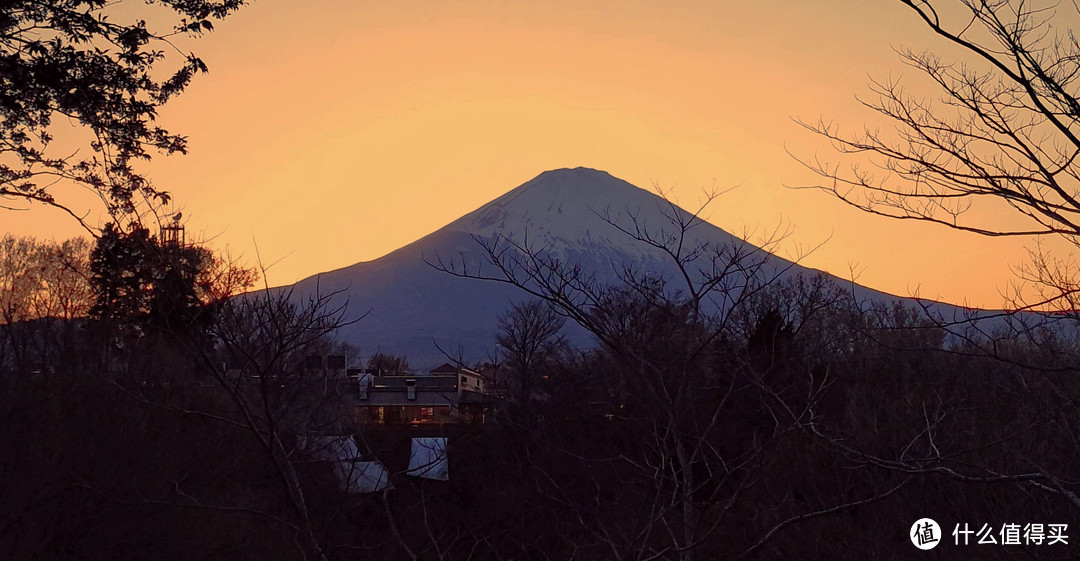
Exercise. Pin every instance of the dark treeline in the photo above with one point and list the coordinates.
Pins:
(162, 419)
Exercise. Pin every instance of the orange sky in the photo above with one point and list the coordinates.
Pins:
(334, 132)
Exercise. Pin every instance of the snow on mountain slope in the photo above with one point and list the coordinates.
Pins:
(579, 212)
(569, 213)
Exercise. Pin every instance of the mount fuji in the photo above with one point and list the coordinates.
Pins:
(578, 215)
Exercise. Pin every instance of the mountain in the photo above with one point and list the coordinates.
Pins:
(574, 214)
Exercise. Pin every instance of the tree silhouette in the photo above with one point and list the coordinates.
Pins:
(140, 281)
(1005, 131)
(529, 334)
(1003, 135)
(388, 365)
(71, 60)
(658, 464)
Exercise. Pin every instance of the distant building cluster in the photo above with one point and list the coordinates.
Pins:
(421, 404)
(447, 394)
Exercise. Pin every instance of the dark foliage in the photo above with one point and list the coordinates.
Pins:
(75, 60)
(171, 457)
(388, 365)
(141, 283)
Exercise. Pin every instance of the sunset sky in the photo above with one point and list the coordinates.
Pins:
(334, 132)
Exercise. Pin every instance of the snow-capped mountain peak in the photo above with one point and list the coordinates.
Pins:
(574, 212)
(566, 213)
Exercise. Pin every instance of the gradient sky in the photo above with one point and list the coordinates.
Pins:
(334, 132)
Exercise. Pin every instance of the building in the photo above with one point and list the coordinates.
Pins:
(447, 394)
(469, 380)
